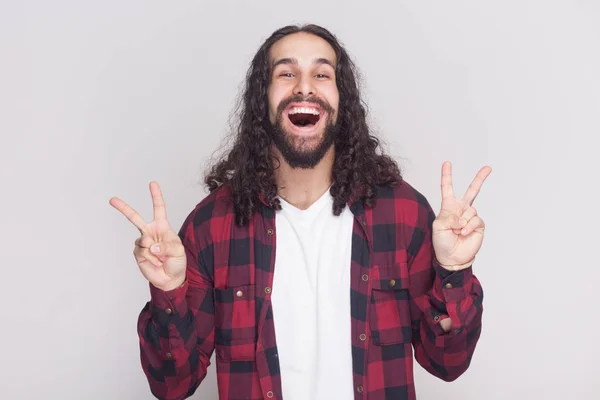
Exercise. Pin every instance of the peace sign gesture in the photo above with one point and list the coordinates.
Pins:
(457, 232)
(159, 251)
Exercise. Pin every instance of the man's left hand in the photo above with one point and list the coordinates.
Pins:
(457, 231)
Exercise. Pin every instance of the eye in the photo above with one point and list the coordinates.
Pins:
(287, 75)
(322, 76)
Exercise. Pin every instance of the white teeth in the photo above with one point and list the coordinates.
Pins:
(304, 110)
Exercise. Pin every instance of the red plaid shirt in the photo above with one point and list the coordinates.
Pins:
(398, 296)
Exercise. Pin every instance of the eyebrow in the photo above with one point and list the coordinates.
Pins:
(294, 61)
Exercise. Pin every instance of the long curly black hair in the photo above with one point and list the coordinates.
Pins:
(248, 167)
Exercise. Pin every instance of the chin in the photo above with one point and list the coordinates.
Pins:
(303, 135)
(302, 152)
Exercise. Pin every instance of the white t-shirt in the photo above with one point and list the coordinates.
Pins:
(311, 301)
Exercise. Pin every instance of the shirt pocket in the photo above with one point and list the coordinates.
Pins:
(389, 316)
(235, 323)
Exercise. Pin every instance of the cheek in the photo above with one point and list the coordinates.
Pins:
(332, 95)
(272, 108)
(334, 101)
(274, 99)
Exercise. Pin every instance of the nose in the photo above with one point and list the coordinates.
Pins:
(304, 87)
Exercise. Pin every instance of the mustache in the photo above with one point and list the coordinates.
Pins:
(310, 99)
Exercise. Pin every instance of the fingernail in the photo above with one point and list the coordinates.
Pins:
(155, 248)
(463, 221)
(464, 231)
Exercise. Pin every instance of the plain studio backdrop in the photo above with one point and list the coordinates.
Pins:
(99, 98)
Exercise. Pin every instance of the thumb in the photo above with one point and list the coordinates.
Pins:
(165, 249)
(452, 222)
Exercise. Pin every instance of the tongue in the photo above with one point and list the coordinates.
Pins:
(303, 120)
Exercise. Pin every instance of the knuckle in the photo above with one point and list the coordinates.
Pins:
(179, 249)
(477, 222)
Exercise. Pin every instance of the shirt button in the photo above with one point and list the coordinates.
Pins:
(363, 337)
(269, 394)
(392, 282)
(169, 355)
(365, 277)
(436, 318)
(269, 231)
(448, 286)
(360, 389)
(169, 311)
(239, 293)
(267, 290)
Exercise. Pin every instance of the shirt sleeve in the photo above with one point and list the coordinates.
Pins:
(176, 328)
(438, 294)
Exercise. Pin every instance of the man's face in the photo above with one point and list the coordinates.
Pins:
(303, 98)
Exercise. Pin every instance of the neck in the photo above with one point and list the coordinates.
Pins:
(302, 187)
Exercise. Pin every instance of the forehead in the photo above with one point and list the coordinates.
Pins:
(304, 47)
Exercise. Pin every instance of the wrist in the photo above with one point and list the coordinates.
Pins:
(455, 267)
(175, 284)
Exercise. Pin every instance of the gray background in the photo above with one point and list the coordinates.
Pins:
(99, 98)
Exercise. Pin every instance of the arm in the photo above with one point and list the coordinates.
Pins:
(176, 327)
(442, 298)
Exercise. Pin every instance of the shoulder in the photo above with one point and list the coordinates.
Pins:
(402, 191)
(406, 202)
(216, 204)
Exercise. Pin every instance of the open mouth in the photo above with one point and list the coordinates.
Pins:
(304, 117)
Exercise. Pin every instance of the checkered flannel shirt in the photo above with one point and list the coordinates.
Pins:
(398, 296)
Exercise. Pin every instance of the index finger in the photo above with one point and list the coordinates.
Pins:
(160, 211)
(447, 188)
(475, 186)
(129, 212)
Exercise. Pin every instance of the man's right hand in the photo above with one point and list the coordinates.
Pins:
(159, 252)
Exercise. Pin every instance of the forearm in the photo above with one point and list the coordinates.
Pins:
(170, 357)
(458, 295)
(450, 324)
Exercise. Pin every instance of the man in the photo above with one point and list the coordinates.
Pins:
(312, 268)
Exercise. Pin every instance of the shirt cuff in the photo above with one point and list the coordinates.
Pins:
(165, 304)
(452, 286)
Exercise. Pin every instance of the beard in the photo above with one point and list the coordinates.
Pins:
(301, 152)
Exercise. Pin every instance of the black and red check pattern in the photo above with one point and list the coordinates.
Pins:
(398, 296)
